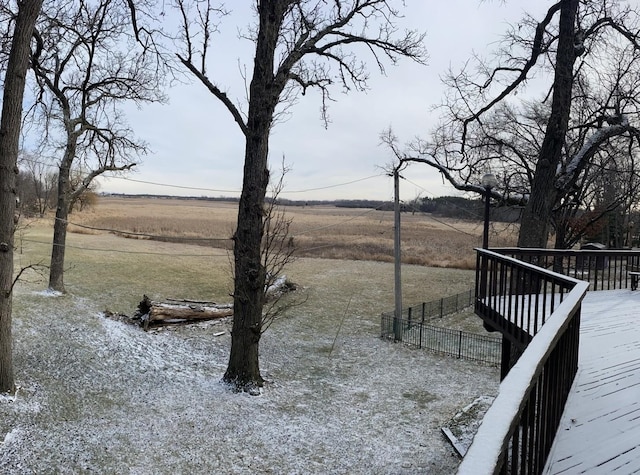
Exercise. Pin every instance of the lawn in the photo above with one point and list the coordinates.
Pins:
(100, 396)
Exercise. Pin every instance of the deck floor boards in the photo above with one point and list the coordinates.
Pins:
(600, 429)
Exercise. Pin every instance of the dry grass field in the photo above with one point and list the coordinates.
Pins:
(317, 231)
(123, 247)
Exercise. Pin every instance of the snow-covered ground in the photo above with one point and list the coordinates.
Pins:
(599, 431)
(99, 396)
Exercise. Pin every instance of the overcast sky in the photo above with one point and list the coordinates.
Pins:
(195, 143)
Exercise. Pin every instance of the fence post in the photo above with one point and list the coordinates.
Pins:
(457, 308)
(441, 306)
(459, 344)
(424, 304)
(421, 327)
(409, 318)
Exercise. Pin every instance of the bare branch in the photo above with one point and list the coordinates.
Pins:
(215, 90)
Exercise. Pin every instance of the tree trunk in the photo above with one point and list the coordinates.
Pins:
(243, 370)
(56, 270)
(13, 95)
(248, 298)
(534, 228)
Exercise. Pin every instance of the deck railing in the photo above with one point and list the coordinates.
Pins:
(603, 269)
(538, 311)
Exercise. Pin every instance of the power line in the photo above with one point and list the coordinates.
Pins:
(151, 236)
(340, 223)
(334, 186)
(238, 191)
(469, 212)
(300, 233)
(123, 251)
(167, 185)
(215, 190)
(430, 216)
(179, 239)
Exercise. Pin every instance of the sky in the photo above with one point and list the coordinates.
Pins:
(198, 149)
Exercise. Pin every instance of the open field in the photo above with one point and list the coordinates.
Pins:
(98, 396)
(193, 237)
(317, 231)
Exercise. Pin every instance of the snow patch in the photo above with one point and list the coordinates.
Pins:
(13, 436)
(48, 293)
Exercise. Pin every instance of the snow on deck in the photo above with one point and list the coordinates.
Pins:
(600, 429)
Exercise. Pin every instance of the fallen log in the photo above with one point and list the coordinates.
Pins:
(182, 311)
(161, 313)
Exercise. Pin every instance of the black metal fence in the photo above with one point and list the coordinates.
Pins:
(456, 343)
(439, 308)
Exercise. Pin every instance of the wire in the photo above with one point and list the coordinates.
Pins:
(469, 212)
(334, 186)
(430, 216)
(173, 186)
(238, 191)
(151, 236)
(178, 238)
(307, 249)
(121, 251)
(196, 188)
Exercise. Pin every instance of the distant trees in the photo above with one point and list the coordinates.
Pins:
(548, 151)
(86, 64)
(299, 45)
(36, 186)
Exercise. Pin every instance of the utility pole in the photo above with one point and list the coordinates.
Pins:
(397, 320)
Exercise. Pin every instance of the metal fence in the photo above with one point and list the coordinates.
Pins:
(439, 308)
(456, 343)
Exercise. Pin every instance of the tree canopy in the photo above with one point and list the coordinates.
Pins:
(546, 148)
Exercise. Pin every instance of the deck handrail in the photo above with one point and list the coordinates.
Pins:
(605, 269)
(518, 430)
(515, 297)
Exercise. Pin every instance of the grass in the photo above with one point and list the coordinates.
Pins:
(118, 271)
(115, 272)
(102, 397)
(318, 231)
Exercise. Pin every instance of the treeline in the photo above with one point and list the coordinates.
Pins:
(464, 208)
(37, 192)
(456, 207)
(446, 206)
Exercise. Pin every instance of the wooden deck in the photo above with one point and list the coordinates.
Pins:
(600, 429)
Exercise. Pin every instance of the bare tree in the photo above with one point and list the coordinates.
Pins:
(14, 85)
(278, 248)
(87, 63)
(37, 184)
(542, 148)
(297, 43)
